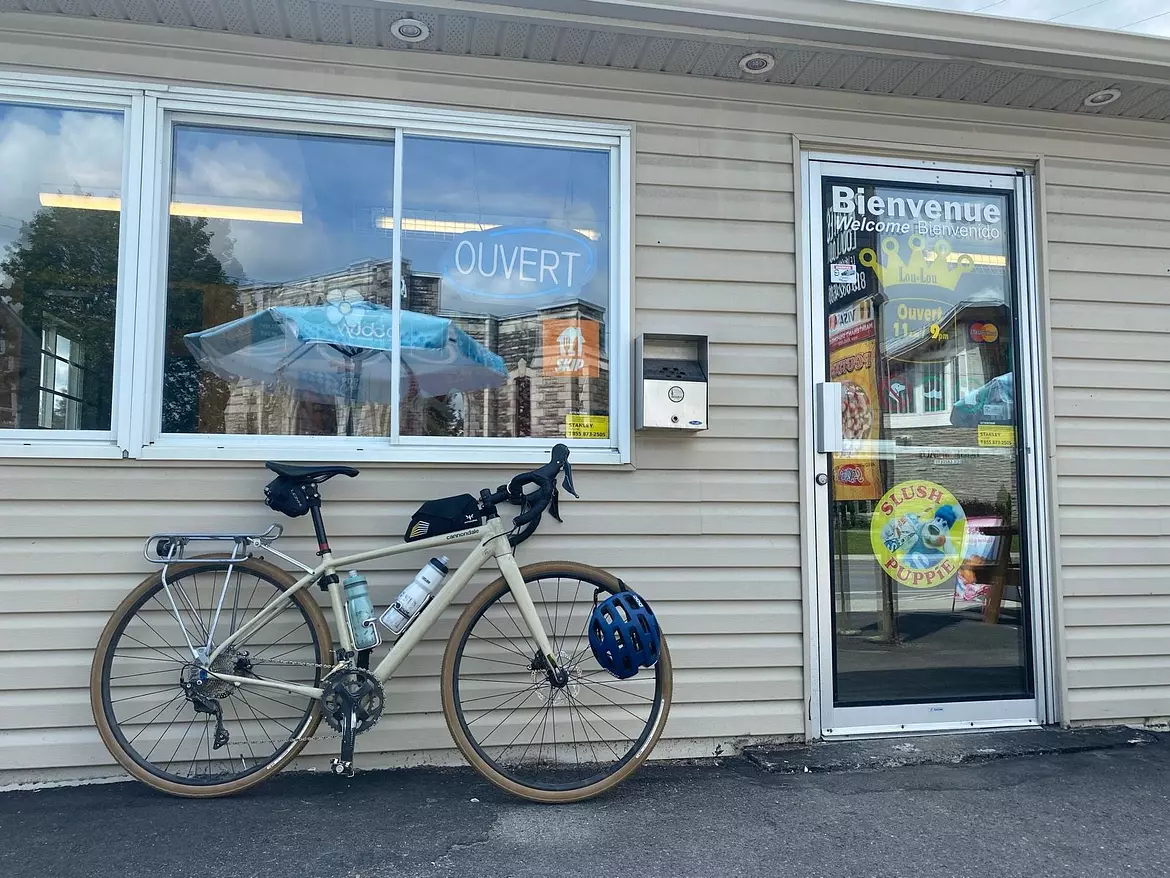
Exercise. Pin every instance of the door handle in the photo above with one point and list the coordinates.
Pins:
(827, 403)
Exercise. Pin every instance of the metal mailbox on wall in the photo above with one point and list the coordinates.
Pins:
(670, 375)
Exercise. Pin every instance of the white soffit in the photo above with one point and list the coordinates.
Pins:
(539, 32)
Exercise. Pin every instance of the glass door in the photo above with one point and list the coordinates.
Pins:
(926, 614)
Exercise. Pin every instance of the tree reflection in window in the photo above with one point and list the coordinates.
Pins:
(59, 241)
(60, 315)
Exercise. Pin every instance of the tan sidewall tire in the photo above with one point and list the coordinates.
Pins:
(320, 626)
(530, 572)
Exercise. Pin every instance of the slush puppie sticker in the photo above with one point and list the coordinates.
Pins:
(919, 533)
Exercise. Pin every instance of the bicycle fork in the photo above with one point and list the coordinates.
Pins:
(515, 579)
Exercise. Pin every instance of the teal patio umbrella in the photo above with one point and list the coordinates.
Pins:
(344, 351)
(992, 403)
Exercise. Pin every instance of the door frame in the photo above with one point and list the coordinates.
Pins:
(823, 719)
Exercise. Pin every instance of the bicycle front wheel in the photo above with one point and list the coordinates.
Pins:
(522, 732)
(155, 707)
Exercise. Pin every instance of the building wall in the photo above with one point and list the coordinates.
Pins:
(699, 517)
(1109, 233)
(707, 526)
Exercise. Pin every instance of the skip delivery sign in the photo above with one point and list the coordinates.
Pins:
(519, 263)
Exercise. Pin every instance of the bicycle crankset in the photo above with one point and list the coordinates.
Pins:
(352, 700)
(356, 690)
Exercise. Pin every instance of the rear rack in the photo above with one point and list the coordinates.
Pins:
(169, 548)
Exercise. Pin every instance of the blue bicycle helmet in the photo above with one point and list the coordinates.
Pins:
(624, 634)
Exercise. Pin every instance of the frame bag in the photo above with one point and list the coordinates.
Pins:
(448, 515)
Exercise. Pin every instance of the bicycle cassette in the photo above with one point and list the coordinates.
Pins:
(352, 689)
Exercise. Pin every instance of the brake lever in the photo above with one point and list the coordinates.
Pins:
(554, 506)
(567, 480)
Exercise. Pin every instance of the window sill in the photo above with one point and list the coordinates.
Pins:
(56, 449)
(352, 453)
(483, 455)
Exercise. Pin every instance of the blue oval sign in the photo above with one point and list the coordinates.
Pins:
(519, 263)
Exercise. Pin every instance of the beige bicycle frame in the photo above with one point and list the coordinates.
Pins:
(493, 542)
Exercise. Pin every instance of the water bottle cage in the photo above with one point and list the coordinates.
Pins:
(409, 617)
(372, 624)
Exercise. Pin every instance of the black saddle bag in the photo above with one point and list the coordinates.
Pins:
(437, 517)
(290, 497)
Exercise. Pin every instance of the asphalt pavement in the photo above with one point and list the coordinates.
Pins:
(1099, 813)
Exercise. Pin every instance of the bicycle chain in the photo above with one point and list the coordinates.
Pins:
(288, 663)
(297, 664)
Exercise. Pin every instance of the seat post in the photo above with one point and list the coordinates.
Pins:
(319, 527)
(322, 540)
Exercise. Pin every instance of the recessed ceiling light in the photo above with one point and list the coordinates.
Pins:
(757, 63)
(410, 30)
(1103, 98)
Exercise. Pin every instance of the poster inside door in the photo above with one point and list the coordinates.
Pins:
(853, 362)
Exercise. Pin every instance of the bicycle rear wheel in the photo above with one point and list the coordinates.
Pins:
(514, 725)
(151, 702)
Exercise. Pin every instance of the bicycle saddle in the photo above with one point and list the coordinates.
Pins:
(310, 473)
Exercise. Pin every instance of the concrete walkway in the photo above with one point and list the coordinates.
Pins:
(1099, 813)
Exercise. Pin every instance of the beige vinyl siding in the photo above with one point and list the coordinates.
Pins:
(72, 553)
(707, 526)
(1109, 231)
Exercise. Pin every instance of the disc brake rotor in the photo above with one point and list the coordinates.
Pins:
(545, 689)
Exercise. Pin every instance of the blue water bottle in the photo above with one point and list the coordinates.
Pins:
(360, 610)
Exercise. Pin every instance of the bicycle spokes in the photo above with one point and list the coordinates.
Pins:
(166, 706)
(549, 730)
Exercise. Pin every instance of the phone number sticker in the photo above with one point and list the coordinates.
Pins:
(586, 427)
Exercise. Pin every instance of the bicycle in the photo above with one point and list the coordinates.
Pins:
(197, 715)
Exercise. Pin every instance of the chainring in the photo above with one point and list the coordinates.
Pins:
(364, 691)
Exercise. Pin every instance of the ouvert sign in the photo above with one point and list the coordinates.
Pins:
(512, 263)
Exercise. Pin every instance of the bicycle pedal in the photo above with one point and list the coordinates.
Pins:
(341, 768)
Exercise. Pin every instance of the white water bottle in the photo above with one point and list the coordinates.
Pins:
(414, 597)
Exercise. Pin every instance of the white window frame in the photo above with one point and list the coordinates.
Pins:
(68, 94)
(50, 359)
(918, 416)
(151, 110)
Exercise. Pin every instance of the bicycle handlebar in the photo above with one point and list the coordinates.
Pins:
(535, 503)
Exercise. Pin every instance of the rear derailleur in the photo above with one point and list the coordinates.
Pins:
(204, 690)
(352, 703)
(204, 703)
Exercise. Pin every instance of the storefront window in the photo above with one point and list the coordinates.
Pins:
(395, 281)
(280, 302)
(507, 245)
(273, 239)
(60, 217)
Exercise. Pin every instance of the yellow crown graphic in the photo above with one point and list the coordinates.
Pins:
(933, 268)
